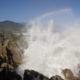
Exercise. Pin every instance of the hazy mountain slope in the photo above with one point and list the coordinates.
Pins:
(11, 26)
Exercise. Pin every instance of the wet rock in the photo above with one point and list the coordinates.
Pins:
(33, 75)
(69, 75)
(57, 77)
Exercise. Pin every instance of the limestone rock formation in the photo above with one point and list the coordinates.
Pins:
(10, 54)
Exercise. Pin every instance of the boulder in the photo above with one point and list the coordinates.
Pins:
(15, 52)
(34, 75)
(56, 77)
(69, 75)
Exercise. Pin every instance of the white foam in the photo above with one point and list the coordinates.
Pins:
(49, 52)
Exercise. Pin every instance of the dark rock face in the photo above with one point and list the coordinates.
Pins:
(8, 75)
(56, 78)
(33, 75)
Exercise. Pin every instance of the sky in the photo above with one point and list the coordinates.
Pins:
(25, 10)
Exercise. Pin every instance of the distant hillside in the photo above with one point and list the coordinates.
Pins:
(11, 26)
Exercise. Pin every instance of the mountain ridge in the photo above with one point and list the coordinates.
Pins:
(11, 26)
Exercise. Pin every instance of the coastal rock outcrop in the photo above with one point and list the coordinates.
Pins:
(34, 75)
(10, 54)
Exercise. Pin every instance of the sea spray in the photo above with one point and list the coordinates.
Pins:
(49, 51)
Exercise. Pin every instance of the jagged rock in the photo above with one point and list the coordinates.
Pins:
(57, 77)
(16, 53)
(69, 75)
(33, 75)
(10, 54)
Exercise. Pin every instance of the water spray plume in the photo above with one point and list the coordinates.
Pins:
(48, 51)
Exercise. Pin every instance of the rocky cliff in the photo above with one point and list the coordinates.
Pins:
(10, 54)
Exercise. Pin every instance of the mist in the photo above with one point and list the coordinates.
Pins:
(53, 44)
